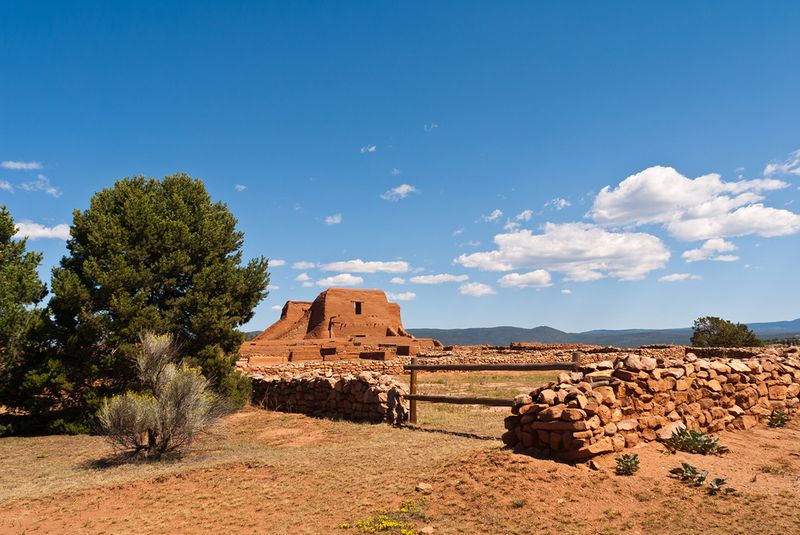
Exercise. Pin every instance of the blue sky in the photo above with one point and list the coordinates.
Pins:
(461, 147)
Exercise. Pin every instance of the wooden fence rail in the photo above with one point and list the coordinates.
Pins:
(414, 368)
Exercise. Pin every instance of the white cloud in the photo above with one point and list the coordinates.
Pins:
(277, 307)
(494, 216)
(304, 265)
(342, 279)
(693, 209)
(400, 192)
(395, 171)
(277, 262)
(558, 203)
(476, 289)
(4, 185)
(35, 231)
(511, 226)
(711, 250)
(240, 187)
(397, 280)
(273, 288)
(533, 279)
(302, 277)
(458, 232)
(753, 219)
(359, 266)
(678, 277)
(24, 166)
(42, 183)
(581, 251)
(790, 166)
(437, 279)
(430, 127)
(566, 291)
(368, 148)
(402, 296)
(307, 284)
(334, 219)
(524, 215)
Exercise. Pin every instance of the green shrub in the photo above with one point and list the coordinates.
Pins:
(695, 442)
(628, 464)
(778, 419)
(235, 391)
(61, 426)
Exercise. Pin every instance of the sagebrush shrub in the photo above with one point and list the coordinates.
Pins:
(175, 405)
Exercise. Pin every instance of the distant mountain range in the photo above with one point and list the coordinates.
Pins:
(501, 336)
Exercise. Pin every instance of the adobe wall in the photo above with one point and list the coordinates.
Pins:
(345, 312)
(645, 398)
(292, 324)
(368, 396)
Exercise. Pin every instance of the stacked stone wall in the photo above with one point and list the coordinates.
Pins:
(615, 404)
(456, 355)
(368, 396)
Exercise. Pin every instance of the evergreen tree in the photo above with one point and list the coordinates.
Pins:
(150, 255)
(20, 291)
(711, 331)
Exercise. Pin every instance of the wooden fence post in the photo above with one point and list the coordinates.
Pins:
(576, 360)
(413, 390)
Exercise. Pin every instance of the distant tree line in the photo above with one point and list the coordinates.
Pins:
(147, 256)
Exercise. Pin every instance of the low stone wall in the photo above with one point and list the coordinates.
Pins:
(368, 396)
(287, 370)
(614, 404)
(457, 355)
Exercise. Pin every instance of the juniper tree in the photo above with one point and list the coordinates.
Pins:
(152, 255)
(20, 292)
(710, 331)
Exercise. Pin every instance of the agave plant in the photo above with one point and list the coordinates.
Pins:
(695, 442)
(718, 484)
(628, 464)
(690, 474)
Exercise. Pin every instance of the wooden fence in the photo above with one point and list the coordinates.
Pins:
(415, 368)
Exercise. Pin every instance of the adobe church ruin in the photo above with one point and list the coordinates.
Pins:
(339, 324)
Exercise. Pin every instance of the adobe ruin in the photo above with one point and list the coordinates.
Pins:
(339, 324)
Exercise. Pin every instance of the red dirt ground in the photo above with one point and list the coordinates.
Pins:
(275, 473)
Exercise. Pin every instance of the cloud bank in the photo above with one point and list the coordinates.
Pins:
(580, 251)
